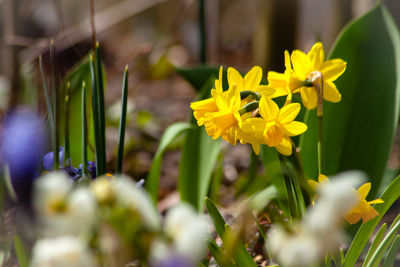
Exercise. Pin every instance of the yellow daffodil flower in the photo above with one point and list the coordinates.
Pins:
(220, 114)
(274, 128)
(281, 84)
(363, 210)
(305, 64)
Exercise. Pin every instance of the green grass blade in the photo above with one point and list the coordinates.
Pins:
(216, 217)
(378, 238)
(240, 253)
(101, 109)
(218, 254)
(84, 131)
(383, 246)
(96, 118)
(392, 253)
(391, 194)
(67, 154)
(153, 178)
(122, 122)
(20, 252)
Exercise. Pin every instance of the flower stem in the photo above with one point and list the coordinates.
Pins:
(56, 94)
(66, 126)
(321, 161)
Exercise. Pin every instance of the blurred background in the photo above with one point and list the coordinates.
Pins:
(151, 36)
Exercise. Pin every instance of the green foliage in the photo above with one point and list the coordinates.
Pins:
(233, 246)
(359, 130)
(170, 134)
(20, 252)
(78, 74)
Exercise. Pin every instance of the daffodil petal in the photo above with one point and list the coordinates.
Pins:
(268, 109)
(285, 147)
(309, 97)
(288, 113)
(369, 214)
(316, 56)
(376, 201)
(323, 178)
(235, 78)
(364, 190)
(332, 69)
(301, 64)
(276, 79)
(294, 128)
(270, 92)
(331, 93)
(353, 216)
(253, 78)
(288, 64)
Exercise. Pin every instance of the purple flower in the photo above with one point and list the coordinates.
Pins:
(48, 159)
(22, 143)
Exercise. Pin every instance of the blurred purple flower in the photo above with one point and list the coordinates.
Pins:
(48, 159)
(22, 143)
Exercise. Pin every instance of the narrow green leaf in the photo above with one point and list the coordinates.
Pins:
(273, 172)
(216, 218)
(20, 252)
(122, 122)
(101, 108)
(67, 154)
(353, 137)
(96, 118)
(240, 253)
(84, 132)
(218, 254)
(383, 246)
(153, 178)
(392, 253)
(260, 200)
(391, 194)
(378, 238)
(198, 76)
(75, 77)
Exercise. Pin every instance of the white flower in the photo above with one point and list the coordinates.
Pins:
(129, 195)
(64, 251)
(188, 230)
(61, 209)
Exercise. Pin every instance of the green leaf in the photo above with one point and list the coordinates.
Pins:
(78, 74)
(384, 245)
(198, 76)
(20, 252)
(391, 194)
(122, 121)
(153, 178)
(392, 253)
(273, 172)
(240, 253)
(218, 254)
(378, 238)
(216, 218)
(359, 130)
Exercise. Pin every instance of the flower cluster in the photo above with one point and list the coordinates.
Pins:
(114, 218)
(245, 112)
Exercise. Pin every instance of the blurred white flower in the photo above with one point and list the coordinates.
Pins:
(61, 209)
(64, 251)
(320, 231)
(188, 230)
(129, 195)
